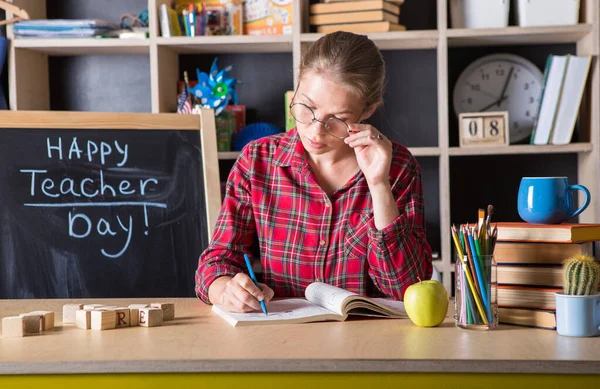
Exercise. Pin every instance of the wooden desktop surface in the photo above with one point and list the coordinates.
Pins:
(199, 341)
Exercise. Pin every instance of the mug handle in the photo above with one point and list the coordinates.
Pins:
(585, 203)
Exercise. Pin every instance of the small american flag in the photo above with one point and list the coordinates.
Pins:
(183, 103)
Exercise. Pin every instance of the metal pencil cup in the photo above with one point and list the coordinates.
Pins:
(476, 290)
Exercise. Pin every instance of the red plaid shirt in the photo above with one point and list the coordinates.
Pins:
(305, 236)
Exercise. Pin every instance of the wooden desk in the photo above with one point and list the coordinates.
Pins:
(353, 353)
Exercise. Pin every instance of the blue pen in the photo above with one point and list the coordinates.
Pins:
(249, 265)
(479, 272)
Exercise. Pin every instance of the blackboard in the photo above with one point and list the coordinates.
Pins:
(105, 205)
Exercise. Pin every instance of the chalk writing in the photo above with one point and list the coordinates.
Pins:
(94, 190)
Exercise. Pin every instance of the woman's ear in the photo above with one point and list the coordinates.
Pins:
(368, 112)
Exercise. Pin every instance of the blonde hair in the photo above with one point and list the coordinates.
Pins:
(351, 59)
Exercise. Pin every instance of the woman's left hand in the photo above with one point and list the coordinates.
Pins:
(373, 152)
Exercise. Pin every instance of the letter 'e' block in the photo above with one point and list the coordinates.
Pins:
(151, 317)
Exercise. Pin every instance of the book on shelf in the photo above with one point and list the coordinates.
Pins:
(169, 22)
(527, 297)
(570, 99)
(550, 276)
(539, 253)
(554, 74)
(323, 302)
(361, 27)
(355, 6)
(565, 233)
(353, 17)
(538, 318)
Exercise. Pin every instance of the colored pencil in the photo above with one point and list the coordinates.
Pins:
(479, 273)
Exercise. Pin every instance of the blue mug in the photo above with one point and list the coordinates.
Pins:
(548, 200)
(577, 315)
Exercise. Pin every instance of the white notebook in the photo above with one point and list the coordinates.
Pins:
(552, 91)
(572, 93)
(323, 302)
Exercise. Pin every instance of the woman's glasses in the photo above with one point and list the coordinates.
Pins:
(305, 115)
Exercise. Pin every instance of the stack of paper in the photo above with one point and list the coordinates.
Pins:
(63, 28)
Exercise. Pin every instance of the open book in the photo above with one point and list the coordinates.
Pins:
(323, 302)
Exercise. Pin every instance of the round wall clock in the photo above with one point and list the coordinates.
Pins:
(501, 82)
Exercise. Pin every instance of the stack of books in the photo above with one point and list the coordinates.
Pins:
(529, 272)
(356, 16)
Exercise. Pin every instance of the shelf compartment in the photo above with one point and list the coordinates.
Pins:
(395, 40)
(228, 44)
(521, 149)
(515, 35)
(85, 46)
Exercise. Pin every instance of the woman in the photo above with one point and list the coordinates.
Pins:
(332, 200)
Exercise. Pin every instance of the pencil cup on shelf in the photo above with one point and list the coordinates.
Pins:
(475, 303)
(578, 308)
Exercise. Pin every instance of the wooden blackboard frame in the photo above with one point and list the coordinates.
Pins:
(204, 123)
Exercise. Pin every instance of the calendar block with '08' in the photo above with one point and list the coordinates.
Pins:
(483, 129)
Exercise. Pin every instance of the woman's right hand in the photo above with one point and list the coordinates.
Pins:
(239, 294)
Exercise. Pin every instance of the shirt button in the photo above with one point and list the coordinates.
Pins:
(322, 242)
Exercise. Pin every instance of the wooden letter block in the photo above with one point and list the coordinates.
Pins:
(47, 319)
(69, 313)
(93, 306)
(134, 317)
(122, 318)
(32, 323)
(139, 306)
(151, 317)
(168, 310)
(83, 319)
(13, 327)
(103, 320)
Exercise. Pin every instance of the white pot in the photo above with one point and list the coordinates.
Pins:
(479, 13)
(546, 12)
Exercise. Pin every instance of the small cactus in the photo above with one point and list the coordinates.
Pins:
(581, 275)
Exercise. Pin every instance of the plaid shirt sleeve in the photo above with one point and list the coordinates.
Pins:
(233, 233)
(399, 253)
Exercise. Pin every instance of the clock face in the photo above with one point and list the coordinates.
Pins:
(501, 82)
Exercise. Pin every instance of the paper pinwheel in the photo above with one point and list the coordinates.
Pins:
(215, 90)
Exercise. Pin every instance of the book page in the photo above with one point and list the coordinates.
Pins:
(378, 307)
(394, 305)
(280, 312)
(328, 296)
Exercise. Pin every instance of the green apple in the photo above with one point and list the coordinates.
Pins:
(426, 303)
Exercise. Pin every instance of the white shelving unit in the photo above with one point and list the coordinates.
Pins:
(29, 81)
